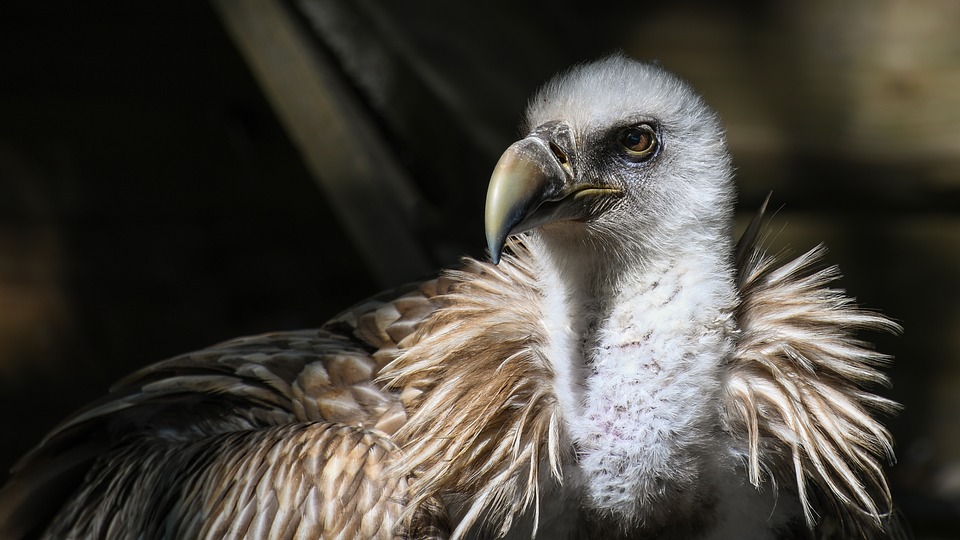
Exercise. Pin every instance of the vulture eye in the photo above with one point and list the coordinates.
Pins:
(639, 141)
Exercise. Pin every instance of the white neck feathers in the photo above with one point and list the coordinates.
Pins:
(638, 370)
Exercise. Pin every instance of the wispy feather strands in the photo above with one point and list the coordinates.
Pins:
(798, 388)
(482, 413)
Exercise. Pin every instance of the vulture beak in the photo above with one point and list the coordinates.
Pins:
(535, 183)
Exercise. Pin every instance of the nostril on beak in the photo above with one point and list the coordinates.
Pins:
(560, 154)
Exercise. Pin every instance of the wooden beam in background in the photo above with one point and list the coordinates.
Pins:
(373, 198)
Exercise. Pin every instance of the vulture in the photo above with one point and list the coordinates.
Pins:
(619, 367)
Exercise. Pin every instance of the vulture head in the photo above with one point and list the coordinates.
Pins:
(622, 159)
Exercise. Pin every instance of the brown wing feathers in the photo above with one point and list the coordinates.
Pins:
(306, 480)
(181, 427)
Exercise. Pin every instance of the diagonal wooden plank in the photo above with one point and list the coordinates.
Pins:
(374, 199)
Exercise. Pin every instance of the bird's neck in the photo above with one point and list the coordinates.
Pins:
(589, 282)
(637, 346)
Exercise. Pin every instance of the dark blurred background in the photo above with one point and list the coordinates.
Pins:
(174, 173)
